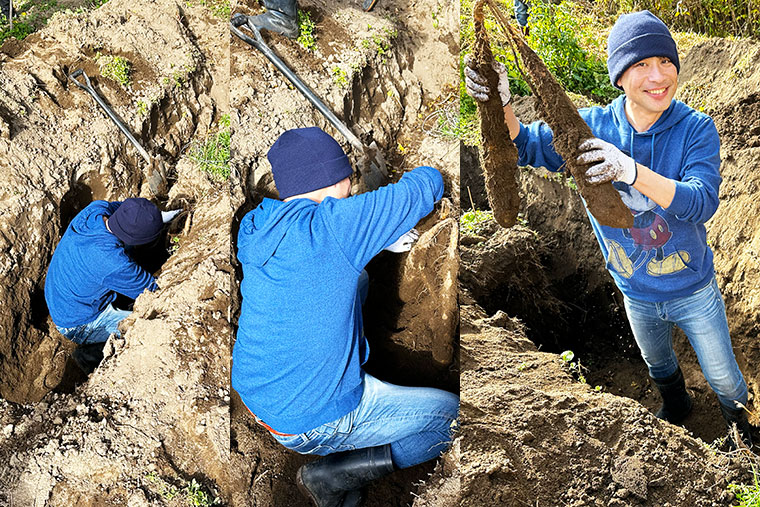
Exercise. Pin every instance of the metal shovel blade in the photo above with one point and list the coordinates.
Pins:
(157, 181)
(371, 162)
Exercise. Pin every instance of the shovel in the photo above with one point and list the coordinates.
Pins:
(371, 162)
(157, 178)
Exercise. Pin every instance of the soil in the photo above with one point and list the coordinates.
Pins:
(498, 152)
(531, 432)
(380, 72)
(155, 414)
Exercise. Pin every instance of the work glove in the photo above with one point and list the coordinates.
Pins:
(477, 86)
(613, 163)
(168, 216)
(404, 243)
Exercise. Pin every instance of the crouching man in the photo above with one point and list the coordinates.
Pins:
(297, 361)
(91, 265)
(663, 157)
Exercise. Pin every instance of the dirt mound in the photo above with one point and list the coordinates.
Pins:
(532, 433)
(155, 415)
(377, 72)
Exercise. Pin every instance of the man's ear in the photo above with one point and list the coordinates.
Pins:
(618, 83)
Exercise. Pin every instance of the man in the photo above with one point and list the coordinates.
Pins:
(91, 266)
(300, 341)
(281, 17)
(664, 159)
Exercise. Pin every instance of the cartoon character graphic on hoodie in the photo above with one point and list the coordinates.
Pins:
(650, 233)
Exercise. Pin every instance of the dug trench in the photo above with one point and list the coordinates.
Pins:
(381, 73)
(154, 416)
(532, 431)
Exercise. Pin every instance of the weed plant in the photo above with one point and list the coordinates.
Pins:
(561, 40)
(30, 15)
(474, 222)
(747, 495)
(716, 18)
(213, 154)
(116, 68)
(306, 38)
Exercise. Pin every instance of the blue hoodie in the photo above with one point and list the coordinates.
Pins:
(89, 266)
(300, 342)
(665, 254)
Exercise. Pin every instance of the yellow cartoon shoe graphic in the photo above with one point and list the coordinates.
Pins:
(673, 263)
(618, 259)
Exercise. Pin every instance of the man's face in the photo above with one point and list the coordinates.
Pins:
(650, 84)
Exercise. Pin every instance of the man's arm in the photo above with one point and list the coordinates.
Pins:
(693, 197)
(365, 224)
(129, 279)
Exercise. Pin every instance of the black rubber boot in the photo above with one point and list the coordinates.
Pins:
(88, 357)
(738, 416)
(367, 5)
(336, 479)
(676, 402)
(281, 17)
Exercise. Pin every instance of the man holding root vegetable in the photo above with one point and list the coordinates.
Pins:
(663, 157)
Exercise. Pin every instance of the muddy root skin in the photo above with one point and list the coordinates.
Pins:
(498, 153)
(558, 111)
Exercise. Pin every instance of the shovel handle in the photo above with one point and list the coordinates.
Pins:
(87, 86)
(239, 21)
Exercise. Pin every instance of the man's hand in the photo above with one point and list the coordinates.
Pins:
(477, 86)
(405, 242)
(613, 163)
(168, 216)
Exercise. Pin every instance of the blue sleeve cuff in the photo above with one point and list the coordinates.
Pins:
(522, 137)
(680, 203)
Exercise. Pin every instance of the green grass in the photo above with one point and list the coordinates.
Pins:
(213, 154)
(340, 77)
(116, 68)
(747, 495)
(31, 15)
(306, 37)
(473, 222)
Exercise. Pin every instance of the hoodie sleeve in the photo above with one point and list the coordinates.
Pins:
(365, 224)
(534, 145)
(129, 279)
(696, 197)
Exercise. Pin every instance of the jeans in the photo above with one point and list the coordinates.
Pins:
(98, 330)
(521, 12)
(702, 317)
(416, 421)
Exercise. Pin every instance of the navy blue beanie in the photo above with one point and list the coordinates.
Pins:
(136, 221)
(307, 159)
(637, 36)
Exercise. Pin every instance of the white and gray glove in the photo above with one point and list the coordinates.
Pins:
(404, 243)
(477, 86)
(613, 163)
(168, 216)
